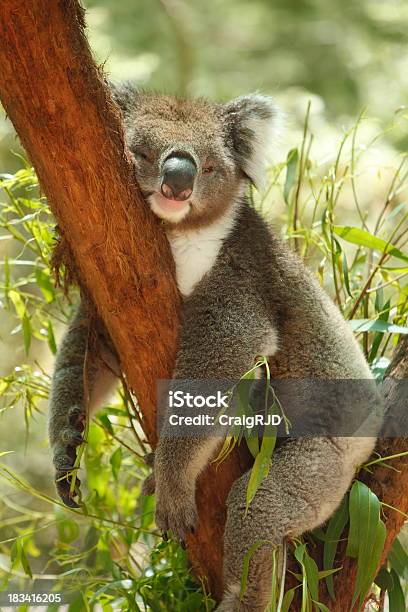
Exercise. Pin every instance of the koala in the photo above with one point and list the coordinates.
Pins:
(244, 294)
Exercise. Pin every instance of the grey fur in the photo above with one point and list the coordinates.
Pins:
(256, 293)
(68, 401)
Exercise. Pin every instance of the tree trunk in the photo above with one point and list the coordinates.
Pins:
(66, 120)
(70, 128)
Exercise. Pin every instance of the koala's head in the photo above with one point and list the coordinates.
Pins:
(193, 158)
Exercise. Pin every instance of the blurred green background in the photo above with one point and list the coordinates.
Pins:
(344, 57)
(347, 55)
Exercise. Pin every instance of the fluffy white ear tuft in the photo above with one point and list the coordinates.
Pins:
(254, 125)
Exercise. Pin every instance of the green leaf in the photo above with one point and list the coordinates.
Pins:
(23, 559)
(384, 313)
(384, 580)
(259, 471)
(103, 418)
(6, 276)
(51, 338)
(26, 333)
(287, 600)
(346, 275)
(299, 555)
(252, 442)
(396, 596)
(361, 237)
(365, 325)
(18, 303)
(312, 575)
(291, 167)
(334, 530)
(116, 462)
(366, 572)
(364, 510)
(321, 606)
(44, 282)
(366, 537)
(15, 554)
(398, 559)
(245, 565)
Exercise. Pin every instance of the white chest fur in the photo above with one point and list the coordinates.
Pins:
(195, 251)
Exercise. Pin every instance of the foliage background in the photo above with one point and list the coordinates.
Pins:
(343, 58)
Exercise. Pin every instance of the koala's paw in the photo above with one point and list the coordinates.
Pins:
(64, 455)
(149, 485)
(176, 511)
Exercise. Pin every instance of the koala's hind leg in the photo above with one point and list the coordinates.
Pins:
(306, 483)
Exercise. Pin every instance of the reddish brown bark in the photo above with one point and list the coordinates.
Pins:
(63, 113)
(56, 98)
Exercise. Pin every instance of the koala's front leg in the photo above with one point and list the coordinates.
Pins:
(68, 404)
(178, 462)
(215, 345)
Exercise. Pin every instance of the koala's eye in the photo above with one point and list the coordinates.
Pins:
(208, 169)
(144, 155)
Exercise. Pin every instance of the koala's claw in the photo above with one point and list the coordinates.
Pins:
(179, 517)
(64, 455)
(71, 437)
(63, 484)
(76, 418)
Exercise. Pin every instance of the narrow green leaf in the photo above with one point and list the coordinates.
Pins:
(312, 575)
(245, 565)
(321, 606)
(396, 596)
(51, 338)
(259, 471)
(15, 554)
(368, 561)
(384, 580)
(366, 536)
(24, 561)
(44, 282)
(353, 536)
(334, 530)
(18, 303)
(398, 559)
(291, 168)
(27, 333)
(287, 600)
(252, 442)
(361, 237)
(116, 462)
(105, 422)
(6, 276)
(367, 325)
(346, 275)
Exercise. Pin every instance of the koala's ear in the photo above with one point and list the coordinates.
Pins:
(125, 96)
(253, 125)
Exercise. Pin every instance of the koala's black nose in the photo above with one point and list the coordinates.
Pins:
(178, 174)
